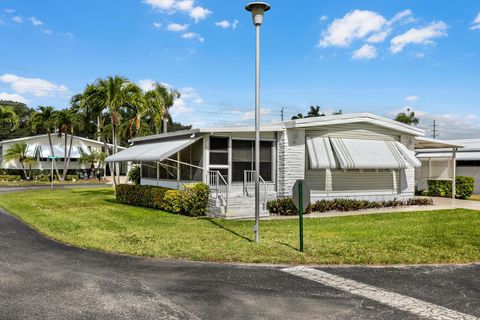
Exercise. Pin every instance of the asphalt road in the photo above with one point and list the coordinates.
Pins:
(43, 279)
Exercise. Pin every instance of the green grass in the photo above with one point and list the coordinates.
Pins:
(29, 183)
(90, 218)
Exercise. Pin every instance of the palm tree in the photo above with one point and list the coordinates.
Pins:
(137, 106)
(314, 111)
(18, 152)
(155, 109)
(112, 95)
(43, 121)
(168, 96)
(95, 159)
(9, 118)
(66, 120)
(407, 117)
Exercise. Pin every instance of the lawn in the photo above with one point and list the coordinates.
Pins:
(30, 183)
(90, 218)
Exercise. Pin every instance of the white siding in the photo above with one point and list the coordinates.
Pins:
(291, 159)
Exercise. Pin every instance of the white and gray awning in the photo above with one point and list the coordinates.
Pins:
(320, 153)
(409, 155)
(59, 151)
(152, 152)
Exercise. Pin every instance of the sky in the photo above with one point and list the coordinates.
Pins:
(358, 56)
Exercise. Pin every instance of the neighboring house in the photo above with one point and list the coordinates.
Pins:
(361, 156)
(439, 163)
(39, 148)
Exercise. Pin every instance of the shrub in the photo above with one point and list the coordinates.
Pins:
(134, 175)
(443, 188)
(190, 200)
(7, 177)
(285, 206)
(71, 177)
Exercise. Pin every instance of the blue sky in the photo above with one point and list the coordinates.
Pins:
(375, 56)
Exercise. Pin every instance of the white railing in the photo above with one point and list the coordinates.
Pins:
(218, 186)
(249, 183)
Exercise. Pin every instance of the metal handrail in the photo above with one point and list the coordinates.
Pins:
(216, 180)
(246, 181)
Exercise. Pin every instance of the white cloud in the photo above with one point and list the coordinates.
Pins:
(13, 97)
(476, 23)
(35, 21)
(249, 115)
(419, 55)
(37, 87)
(419, 36)
(354, 25)
(380, 36)
(225, 24)
(366, 52)
(199, 13)
(176, 27)
(9, 10)
(324, 18)
(47, 31)
(193, 35)
(179, 107)
(400, 16)
(17, 19)
(185, 5)
(163, 5)
(146, 84)
(412, 98)
(157, 25)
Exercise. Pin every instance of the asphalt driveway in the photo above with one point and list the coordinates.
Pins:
(43, 279)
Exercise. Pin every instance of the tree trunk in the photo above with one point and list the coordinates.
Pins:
(67, 160)
(114, 166)
(165, 121)
(53, 155)
(107, 153)
(24, 171)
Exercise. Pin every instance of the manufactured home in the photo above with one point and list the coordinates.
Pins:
(361, 156)
(38, 147)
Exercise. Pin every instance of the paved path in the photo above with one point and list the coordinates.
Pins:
(43, 279)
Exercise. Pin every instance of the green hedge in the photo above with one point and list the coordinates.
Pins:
(285, 206)
(9, 177)
(443, 188)
(191, 200)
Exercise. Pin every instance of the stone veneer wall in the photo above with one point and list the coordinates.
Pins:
(407, 182)
(291, 159)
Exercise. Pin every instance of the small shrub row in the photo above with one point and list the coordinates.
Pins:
(9, 177)
(443, 188)
(285, 206)
(71, 177)
(191, 200)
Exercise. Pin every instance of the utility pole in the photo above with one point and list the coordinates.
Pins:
(281, 113)
(434, 129)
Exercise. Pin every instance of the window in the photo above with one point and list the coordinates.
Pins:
(468, 163)
(218, 151)
(243, 158)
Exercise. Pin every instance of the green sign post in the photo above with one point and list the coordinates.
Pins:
(301, 198)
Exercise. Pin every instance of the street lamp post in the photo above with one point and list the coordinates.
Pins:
(257, 9)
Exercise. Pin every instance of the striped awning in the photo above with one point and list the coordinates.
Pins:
(408, 155)
(59, 151)
(368, 154)
(320, 153)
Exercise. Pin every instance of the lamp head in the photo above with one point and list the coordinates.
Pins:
(257, 9)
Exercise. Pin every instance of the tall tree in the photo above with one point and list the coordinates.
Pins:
(66, 120)
(168, 97)
(407, 117)
(9, 118)
(313, 111)
(18, 152)
(43, 121)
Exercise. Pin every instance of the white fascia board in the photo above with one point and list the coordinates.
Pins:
(355, 118)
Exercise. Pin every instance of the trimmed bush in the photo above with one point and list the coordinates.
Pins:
(191, 200)
(443, 188)
(134, 175)
(71, 177)
(9, 177)
(285, 206)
